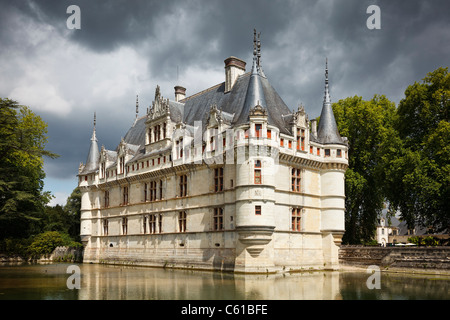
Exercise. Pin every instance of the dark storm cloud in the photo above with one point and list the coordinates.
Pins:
(296, 36)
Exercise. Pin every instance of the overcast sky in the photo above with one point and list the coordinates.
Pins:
(125, 48)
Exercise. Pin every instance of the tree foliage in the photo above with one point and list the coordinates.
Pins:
(22, 142)
(421, 172)
(398, 156)
(368, 125)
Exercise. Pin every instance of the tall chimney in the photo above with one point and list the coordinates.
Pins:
(314, 128)
(180, 93)
(234, 67)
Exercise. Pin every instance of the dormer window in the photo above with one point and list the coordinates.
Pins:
(301, 139)
(102, 170)
(258, 128)
(121, 164)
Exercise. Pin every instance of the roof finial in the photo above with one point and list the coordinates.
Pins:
(94, 137)
(254, 43)
(326, 98)
(137, 105)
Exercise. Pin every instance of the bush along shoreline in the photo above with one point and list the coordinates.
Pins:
(45, 247)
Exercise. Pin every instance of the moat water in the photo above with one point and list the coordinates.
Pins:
(103, 282)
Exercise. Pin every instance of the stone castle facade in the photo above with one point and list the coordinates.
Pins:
(227, 179)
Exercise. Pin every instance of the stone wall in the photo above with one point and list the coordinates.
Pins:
(399, 257)
(67, 254)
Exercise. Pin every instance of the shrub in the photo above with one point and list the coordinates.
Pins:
(45, 243)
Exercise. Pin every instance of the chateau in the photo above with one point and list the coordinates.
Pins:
(227, 179)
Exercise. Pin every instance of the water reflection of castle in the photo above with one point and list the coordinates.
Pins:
(226, 179)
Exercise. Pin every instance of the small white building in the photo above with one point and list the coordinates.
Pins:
(386, 229)
(226, 179)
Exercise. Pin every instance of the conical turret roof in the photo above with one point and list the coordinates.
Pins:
(327, 132)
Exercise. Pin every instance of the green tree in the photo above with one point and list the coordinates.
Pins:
(420, 174)
(73, 212)
(369, 127)
(22, 199)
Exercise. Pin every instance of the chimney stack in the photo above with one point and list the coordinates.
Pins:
(314, 128)
(180, 93)
(234, 67)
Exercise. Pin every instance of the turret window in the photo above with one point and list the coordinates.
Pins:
(257, 171)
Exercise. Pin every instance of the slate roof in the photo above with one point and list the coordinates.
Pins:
(196, 107)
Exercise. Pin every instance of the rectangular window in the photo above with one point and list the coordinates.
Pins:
(290, 144)
(106, 199)
(296, 219)
(218, 179)
(160, 189)
(281, 142)
(124, 226)
(296, 180)
(338, 153)
(125, 195)
(145, 192)
(327, 152)
(311, 149)
(269, 134)
(160, 223)
(182, 221)
(121, 164)
(183, 185)
(258, 130)
(144, 224)
(218, 219)
(318, 151)
(152, 190)
(152, 223)
(258, 210)
(105, 227)
(257, 176)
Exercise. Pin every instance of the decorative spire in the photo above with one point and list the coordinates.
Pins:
(93, 155)
(255, 93)
(328, 132)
